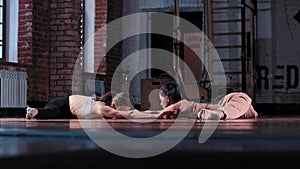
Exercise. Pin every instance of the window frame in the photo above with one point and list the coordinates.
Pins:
(88, 31)
(3, 56)
(11, 37)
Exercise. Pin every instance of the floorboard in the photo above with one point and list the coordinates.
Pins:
(65, 143)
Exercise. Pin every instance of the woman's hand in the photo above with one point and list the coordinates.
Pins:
(182, 106)
(173, 110)
(168, 114)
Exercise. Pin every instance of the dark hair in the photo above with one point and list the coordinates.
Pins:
(106, 98)
(121, 99)
(171, 90)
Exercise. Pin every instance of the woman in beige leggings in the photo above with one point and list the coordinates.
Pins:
(235, 105)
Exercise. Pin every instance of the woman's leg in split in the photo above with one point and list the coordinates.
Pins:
(236, 105)
(56, 108)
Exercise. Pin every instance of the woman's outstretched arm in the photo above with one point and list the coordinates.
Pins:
(109, 112)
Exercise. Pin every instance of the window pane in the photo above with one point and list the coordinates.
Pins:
(1, 15)
(1, 30)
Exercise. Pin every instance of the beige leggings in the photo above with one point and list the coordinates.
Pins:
(237, 105)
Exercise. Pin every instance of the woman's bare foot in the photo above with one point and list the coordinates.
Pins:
(206, 114)
(31, 112)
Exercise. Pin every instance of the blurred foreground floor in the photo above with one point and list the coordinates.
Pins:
(266, 142)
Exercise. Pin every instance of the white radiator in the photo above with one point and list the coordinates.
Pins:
(13, 85)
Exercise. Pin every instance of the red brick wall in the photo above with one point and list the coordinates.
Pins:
(33, 47)
(25, 32)
(100, 38)
(38, 76)
(65, 21)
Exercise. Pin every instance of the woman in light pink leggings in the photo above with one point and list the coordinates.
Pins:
(235, 105)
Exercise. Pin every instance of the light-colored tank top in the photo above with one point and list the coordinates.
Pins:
(81, 106)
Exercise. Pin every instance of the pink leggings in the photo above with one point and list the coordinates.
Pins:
(237, 105)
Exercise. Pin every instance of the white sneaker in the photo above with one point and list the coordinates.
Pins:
(209, 115)
(31, 112)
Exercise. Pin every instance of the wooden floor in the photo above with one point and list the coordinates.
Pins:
(257, 143)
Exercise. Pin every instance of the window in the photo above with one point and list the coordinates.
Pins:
(9, 21)
(88, 31)
(93, 41)
(2, 28)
